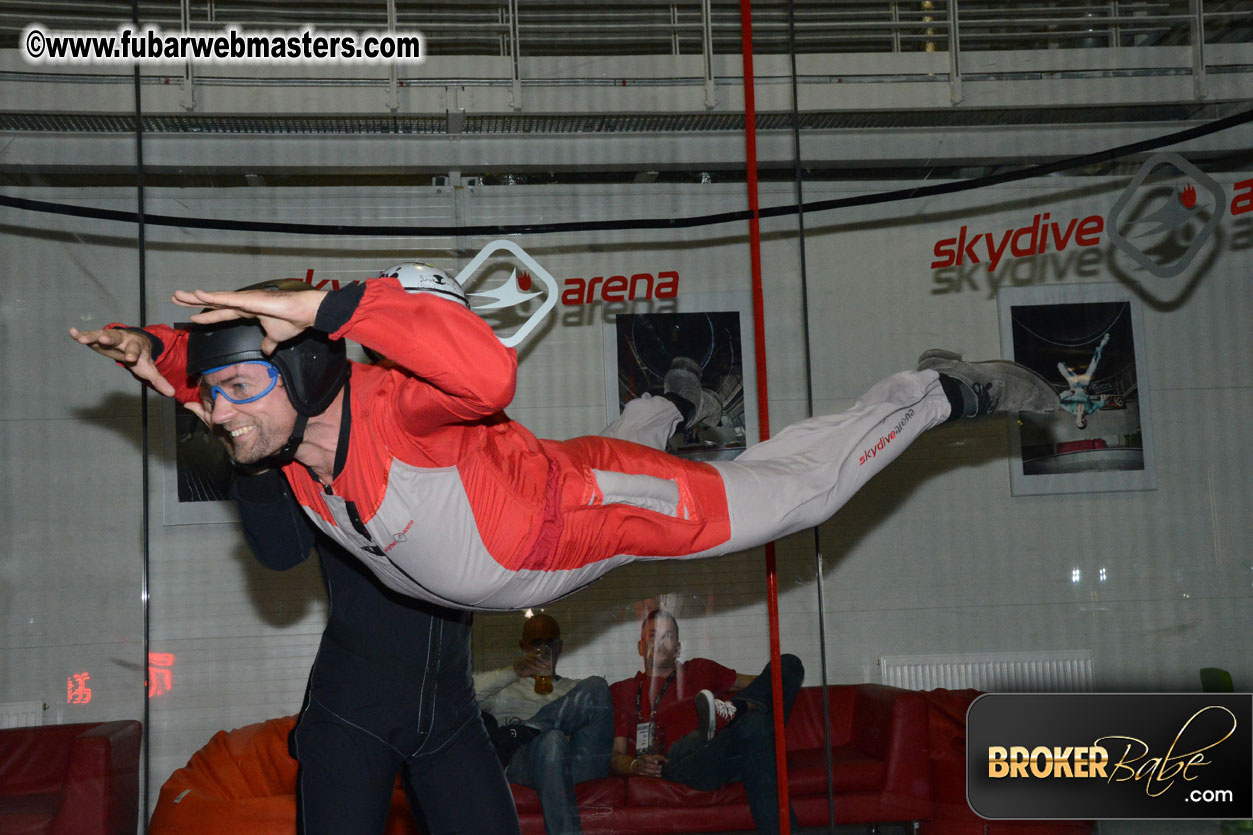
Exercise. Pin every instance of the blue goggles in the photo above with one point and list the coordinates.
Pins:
(212, 394)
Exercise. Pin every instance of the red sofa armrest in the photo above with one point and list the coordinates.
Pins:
(33, 759)
(890, 724)
(100, 795)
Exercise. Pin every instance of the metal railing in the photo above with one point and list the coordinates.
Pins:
(652, 27)
(1124, 38)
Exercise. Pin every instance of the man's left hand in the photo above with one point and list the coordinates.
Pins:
(530, 664)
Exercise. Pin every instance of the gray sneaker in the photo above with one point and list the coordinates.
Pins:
(993, 385)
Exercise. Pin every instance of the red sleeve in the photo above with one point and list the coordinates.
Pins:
(469, 374)
(721, 678)
(171, 359)
(704, 674)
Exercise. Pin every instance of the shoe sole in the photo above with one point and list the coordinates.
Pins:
(706, 717)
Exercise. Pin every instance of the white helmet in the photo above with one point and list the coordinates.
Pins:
(423, 278)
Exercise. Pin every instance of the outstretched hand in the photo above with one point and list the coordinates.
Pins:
(131, 348)
(282, 315)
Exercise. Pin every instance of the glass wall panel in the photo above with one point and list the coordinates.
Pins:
(583, 173)
(72, 639)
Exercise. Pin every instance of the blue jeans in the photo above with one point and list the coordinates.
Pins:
(743, 750)
(574, 745)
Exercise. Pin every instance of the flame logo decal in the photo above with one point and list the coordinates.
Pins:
(512, 292)
(516, 290)
(1168, 235)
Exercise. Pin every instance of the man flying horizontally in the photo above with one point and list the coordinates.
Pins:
(417, 471)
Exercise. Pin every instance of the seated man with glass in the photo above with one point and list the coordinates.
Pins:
(551, 732)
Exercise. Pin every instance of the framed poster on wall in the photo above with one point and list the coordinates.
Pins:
(708, 337)
(1087, 341)
(197, 472)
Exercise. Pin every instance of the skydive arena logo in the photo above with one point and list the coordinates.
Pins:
(1110, 756)
(1166, 214)
(511, 304)
(1167, 221)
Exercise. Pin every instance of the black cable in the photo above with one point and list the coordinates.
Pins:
(1030, 172)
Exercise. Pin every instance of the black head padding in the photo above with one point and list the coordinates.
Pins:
(313, 366)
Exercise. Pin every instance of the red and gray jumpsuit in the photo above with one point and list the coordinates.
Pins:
(446, 499)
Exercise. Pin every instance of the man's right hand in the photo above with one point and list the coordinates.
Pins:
(132, 349)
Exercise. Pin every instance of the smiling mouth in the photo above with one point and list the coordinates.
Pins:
(235, 433)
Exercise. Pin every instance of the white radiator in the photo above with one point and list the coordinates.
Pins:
(21, 714)
(1066, 671)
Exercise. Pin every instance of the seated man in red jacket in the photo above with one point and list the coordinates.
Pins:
(699, 723)
(417, 471)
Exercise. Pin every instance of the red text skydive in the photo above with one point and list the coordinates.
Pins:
(884, 440)
(1038, 237)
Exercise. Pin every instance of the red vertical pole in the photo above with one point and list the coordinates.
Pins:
(763, 401)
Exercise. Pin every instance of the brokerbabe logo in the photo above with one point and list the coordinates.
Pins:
(1089, 756)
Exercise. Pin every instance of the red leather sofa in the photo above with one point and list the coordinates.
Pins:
(79, 779)
(950, 814)
(879, 760)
